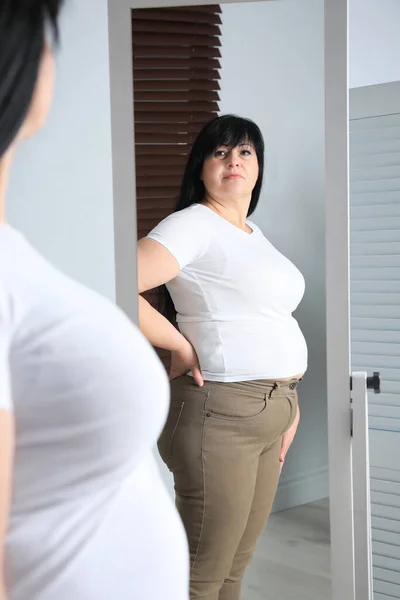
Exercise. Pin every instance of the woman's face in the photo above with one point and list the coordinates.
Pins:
(42, 96)
(231, 171)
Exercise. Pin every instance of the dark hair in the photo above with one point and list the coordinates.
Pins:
(230, 131)
(22, 37)
(227, 130)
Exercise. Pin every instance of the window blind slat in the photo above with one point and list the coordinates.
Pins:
(374, 172)
(379, 185)
(384, 159)
(176, 107)
(372, 261)
(154, 128)
(207, 8)
(358, 149)
(177, 51)
(378, 310)
(181, 15)
(157, 192)
(174, 117)
(375, 248)
(374, 198)
(172, 39)
(162, 150)
(175, 63)
(391, 235)
(181, 96)
(184, 85)
(175, 27)
(370, 223)
(376, 134)
(378, 274)
(371, 335)
(385, 210)
(173, 160)
(183, 75)
(378, 122)
(158, 181)
(379, 348)
(164, 138)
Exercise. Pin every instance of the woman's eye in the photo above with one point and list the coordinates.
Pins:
(246, 152)
(220, 153)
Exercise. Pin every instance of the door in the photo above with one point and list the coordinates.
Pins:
(374, 299)
(375, 308)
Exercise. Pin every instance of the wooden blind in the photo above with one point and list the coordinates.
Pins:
(176, 54)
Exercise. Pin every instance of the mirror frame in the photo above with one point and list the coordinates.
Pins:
(337, 242)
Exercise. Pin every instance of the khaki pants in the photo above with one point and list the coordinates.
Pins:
(222, 444)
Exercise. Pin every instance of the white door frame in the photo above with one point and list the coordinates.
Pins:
(338, 298)
(337, 239)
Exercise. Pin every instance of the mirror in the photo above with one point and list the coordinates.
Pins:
(264, 61)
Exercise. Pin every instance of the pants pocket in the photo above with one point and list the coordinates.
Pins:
(293, 404)
(235, 402)
(166, 440)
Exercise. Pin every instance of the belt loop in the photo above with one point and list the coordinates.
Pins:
(275, 387)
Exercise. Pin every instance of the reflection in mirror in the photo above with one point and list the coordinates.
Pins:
(233, 290)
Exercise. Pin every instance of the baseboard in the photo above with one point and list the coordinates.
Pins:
(302, 488)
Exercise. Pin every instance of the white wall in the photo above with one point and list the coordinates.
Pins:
(273, 73)
(61, 185)
(374, 47)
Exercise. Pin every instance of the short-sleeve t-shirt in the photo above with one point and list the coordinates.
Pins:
(90, 517)
(234, 295)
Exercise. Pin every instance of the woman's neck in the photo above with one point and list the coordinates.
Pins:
(5, 164)
(235, 213)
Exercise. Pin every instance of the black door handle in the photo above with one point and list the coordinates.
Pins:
(374, 382)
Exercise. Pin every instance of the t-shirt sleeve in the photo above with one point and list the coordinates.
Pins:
(185, 239)
(5, 378)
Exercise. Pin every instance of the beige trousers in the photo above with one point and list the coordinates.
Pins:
(222, 444)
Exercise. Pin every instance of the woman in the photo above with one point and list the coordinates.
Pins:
(83, 511)
(236, 359)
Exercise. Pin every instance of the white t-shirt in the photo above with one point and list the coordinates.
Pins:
(235, 295)
(90, 516)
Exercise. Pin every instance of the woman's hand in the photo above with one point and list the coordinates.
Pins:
(2, 592)
(183, 360)
(288, 438)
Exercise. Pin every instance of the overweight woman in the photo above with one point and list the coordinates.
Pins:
(237, 353)
(83, 511)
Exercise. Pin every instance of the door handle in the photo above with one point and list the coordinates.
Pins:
(373, 382)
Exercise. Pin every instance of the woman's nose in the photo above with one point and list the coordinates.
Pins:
(234, 159)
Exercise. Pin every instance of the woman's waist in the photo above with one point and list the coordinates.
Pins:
(266, 317)
(235, 353)
(241, 329)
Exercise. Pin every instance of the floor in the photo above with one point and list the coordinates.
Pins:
(292, 561)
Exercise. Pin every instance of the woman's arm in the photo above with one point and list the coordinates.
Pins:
(6, 462)
(157, 266)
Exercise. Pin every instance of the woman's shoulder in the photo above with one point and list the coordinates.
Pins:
(188, 214)
(190, 219)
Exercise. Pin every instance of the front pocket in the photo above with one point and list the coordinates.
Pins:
(292, 403)
(231, 402)
(166, 440)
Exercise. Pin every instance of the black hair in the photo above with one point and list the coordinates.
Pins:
(22, 36)
(229, 131)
